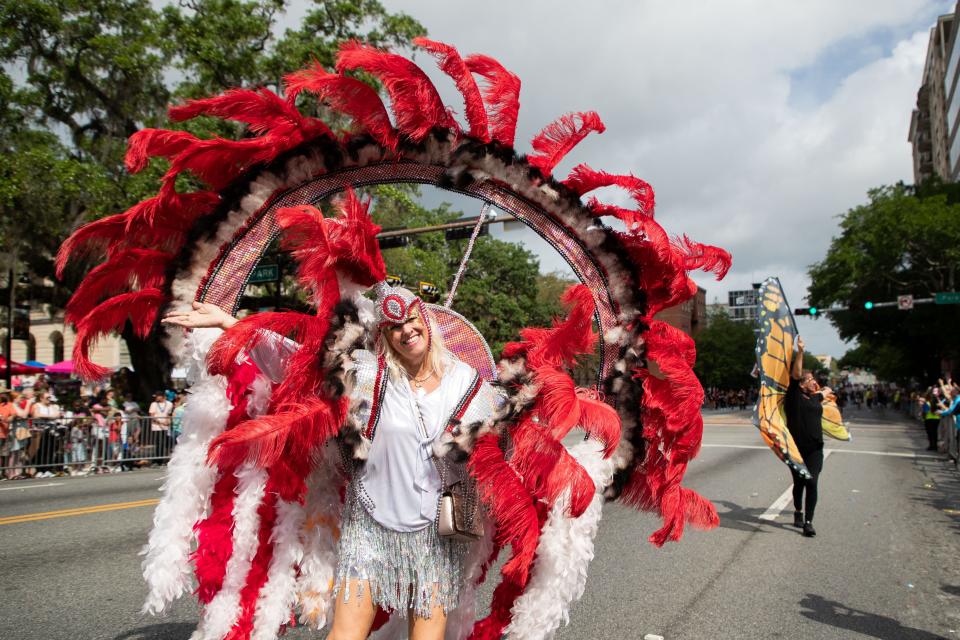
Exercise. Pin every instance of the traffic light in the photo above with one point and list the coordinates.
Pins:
(464, 233)
(868, 305)
(814, 311)
(393, 242)
(806, 311)
(429, 291)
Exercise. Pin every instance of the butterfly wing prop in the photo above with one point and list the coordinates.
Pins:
(775, 341)
(833, 421)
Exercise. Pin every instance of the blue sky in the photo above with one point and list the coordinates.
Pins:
(756, 122)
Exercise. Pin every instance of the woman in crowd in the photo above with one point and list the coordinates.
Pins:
(804, 412)
(929, 404)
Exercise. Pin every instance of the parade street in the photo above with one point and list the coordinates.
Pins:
(883, 565)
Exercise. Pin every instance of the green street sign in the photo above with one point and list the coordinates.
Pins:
(264, 273)
(947, 297)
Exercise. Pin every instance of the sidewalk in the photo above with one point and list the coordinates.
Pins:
(724, 417)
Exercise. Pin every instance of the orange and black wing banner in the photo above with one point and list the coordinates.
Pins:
(832, 421)
(776, 335)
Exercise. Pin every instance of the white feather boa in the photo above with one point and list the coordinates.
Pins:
(189, 482)
(460, 621)
(278, 595)
(220, 615)
(314, 588)
(563, 554)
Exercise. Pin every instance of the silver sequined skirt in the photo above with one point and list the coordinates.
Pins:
(406, 570)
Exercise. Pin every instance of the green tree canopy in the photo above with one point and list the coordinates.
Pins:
(501, 291)
(725, 353)
(80, 77)
(903, 241)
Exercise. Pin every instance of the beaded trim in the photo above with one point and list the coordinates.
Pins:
(379, 391)
(465, 401)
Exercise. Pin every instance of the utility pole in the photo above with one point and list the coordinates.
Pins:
(11, 305)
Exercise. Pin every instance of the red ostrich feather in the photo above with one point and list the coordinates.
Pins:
(583, 179)
(149, 143)
(133, 268)
(290, 428)
(215, 539)
(170, 210)
(138, 307)
(501, 95)
(414, 100)
(704, 256)
(347, 95)
(510, 503)
(548, 469)
(558, 138)
(261, 109)
(453, 65)
(91, 239)
(325, 246)
(157, 223)
(219, 161)
(248, 331)
(565, 340)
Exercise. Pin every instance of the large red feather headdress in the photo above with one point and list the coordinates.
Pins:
(252, 483)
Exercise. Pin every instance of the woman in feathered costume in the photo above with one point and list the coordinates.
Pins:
(310, 469)
(393, 546)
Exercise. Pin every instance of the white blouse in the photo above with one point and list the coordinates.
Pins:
(399, 484)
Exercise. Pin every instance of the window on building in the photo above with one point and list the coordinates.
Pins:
(32, 348)
(56, 339)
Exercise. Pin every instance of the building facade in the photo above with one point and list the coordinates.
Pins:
(742, 304)
(689, 316)
(52, 341)
(933, 123)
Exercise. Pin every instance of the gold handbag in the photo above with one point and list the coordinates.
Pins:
(453, 521)
(454, 517)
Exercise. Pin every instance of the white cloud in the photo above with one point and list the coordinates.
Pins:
(697, 100)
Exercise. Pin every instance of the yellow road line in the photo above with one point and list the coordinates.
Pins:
(79, 511)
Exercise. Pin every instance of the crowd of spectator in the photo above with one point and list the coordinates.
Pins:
(741, 399)
(938, 406)
(101, 431)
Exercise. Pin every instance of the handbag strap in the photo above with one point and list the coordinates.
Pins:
(423, 425)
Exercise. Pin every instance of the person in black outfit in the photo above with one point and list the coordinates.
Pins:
(804, 412)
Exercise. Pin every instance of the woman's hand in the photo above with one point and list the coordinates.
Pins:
(800, 344)
(204, 314)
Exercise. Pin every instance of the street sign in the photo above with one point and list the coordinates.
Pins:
(905, 303)
(947, 297)
(264, 273)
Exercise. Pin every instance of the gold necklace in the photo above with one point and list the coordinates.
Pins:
(418, 382)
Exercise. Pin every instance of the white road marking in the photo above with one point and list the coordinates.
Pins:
(891, 454)
(785, 499)
(733, 446)
(32, 486)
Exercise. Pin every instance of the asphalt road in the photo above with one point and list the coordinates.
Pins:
(886, 562)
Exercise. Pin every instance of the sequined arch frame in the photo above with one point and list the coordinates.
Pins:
(463, 339)
(567, 226)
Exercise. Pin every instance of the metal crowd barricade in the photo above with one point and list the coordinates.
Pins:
(948, 435)
(81, 445)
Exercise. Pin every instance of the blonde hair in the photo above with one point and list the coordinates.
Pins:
(437, 357)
